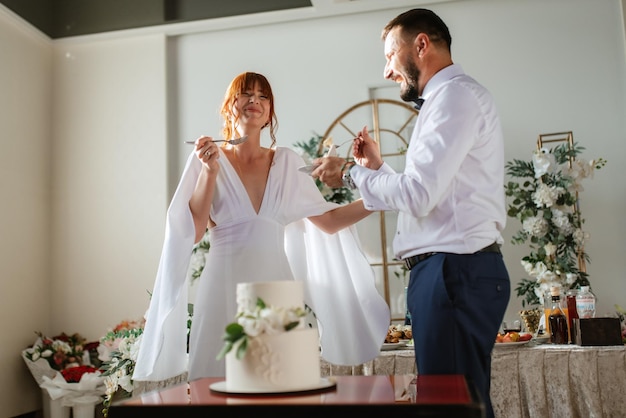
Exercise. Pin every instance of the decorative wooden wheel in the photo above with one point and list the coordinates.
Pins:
(390, 123)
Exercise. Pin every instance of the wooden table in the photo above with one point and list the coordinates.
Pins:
(363, 396)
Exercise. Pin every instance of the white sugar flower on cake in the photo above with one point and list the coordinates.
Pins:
(269, 347)
(256, 320)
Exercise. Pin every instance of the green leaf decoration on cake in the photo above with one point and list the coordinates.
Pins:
(262, 319)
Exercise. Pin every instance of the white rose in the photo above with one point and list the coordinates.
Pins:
(104, 352)
(134, 349)
(546, 196)
(125, 382)
(561, 220)
(542, 161)
(251, 326)
(570, 278)
(580, 237)
(274, 320)
(550, 249)
(534, 226)
(539, 270)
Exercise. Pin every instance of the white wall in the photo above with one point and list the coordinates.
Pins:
(99, 182)
(552, 67)
(84, 191)
(25, 187)
(110, 191)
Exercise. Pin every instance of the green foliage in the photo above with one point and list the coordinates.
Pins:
(233, 333)
(526, 290)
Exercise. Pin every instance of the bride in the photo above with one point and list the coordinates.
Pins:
(267, 221)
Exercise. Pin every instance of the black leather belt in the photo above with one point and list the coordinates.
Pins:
(411, 262)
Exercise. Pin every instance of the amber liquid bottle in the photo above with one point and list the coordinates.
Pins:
(558, 321)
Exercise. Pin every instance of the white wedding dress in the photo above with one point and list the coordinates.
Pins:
(277, 243)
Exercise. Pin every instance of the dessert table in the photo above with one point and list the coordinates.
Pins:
(534, 380)
(363, 396)
(559, 381)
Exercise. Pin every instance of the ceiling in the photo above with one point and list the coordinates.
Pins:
(65, 18)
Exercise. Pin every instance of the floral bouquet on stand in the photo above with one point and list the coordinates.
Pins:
(545, 201)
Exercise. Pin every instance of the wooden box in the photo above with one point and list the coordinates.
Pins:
(596, 331)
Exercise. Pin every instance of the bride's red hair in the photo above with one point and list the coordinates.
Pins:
(241, 83)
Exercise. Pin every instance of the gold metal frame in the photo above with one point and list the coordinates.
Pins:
(376, 131)
(567, 137)
(557, 137)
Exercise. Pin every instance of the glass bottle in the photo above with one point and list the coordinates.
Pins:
(585, 303)
(572, 313)
(557, 320)
(547, 308)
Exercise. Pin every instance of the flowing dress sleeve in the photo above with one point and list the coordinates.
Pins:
(353, 318)
(340, 284)
(161, 358)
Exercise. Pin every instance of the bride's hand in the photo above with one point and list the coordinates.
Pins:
(207, 152)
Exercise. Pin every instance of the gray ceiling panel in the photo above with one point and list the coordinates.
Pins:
(64, 18)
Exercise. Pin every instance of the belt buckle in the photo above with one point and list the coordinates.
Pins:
(411, 262)
(408, 264)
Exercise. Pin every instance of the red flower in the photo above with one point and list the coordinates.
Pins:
(91, 346)
(59, 358)
(74, 374)
(63, 337)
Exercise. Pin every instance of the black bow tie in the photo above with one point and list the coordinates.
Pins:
(418, 103)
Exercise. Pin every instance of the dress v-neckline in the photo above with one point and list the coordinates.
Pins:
(243, 186)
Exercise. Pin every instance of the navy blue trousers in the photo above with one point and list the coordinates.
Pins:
(457, 303)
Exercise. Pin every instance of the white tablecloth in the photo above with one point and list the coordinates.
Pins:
(535, 380)
(559, 381)
(397, 362)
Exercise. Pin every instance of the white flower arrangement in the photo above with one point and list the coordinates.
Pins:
(118, 351)
(259, 319)
(546, 204)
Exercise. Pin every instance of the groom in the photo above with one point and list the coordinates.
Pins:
(449, 198)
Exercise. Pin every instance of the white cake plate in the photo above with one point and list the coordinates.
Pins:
(324, 384)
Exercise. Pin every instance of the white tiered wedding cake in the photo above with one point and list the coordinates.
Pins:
(273, 350)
